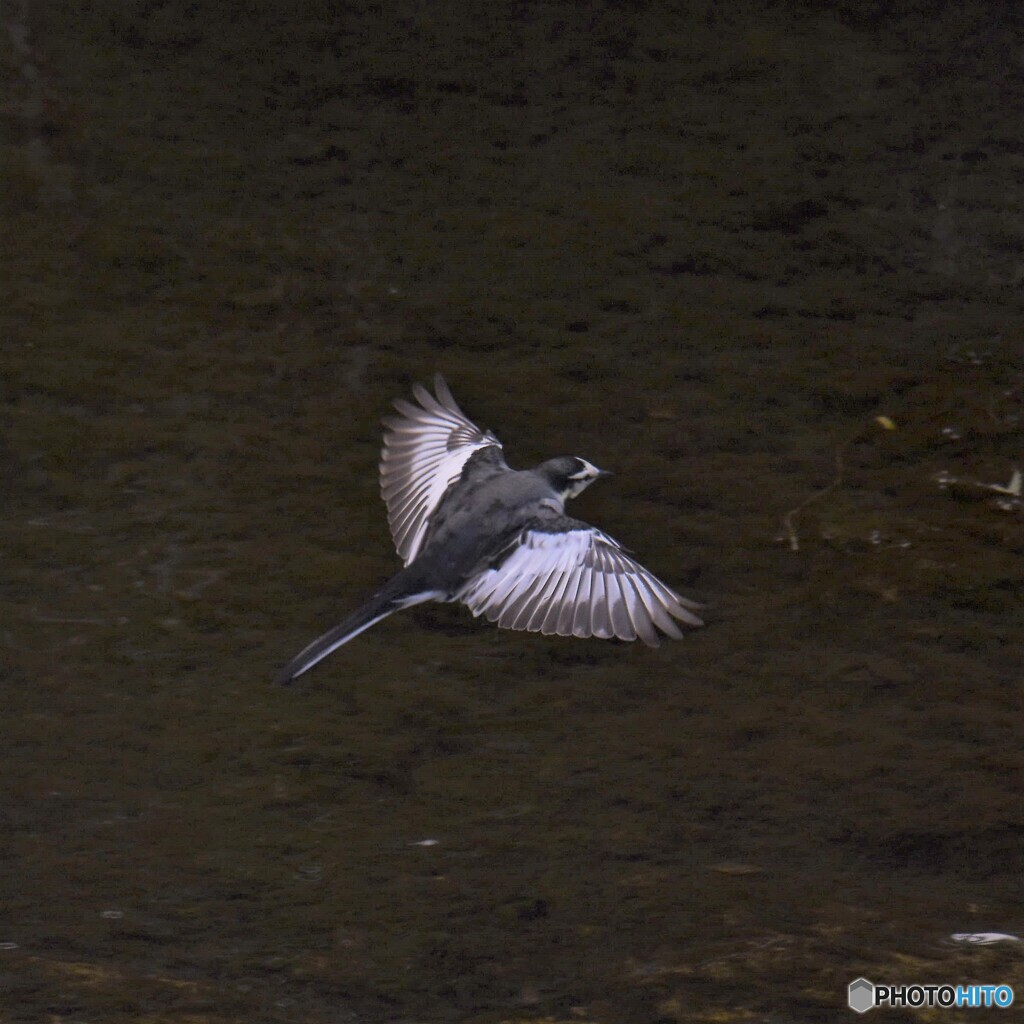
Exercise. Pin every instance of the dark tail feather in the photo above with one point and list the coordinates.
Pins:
(380, 606)
(364, 618)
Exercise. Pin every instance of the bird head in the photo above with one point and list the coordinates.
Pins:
(570, 475)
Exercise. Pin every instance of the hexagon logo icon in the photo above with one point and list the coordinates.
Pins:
(861, 995)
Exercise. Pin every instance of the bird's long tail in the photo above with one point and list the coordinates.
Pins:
(392, 597)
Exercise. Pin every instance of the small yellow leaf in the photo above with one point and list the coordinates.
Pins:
(885, 423)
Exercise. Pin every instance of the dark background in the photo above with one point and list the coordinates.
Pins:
(705, 245)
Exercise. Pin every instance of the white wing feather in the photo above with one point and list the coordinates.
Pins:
(578, 582)
(424, 452)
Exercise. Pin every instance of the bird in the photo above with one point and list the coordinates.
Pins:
(468, 528)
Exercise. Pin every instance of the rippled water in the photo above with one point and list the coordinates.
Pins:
(762, 263)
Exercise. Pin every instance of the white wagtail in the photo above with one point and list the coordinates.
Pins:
(470, 529)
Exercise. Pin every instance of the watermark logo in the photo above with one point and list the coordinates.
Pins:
(864, 995)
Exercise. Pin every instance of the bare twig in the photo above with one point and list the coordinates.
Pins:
(789, 519)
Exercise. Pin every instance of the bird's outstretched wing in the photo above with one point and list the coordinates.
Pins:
(424, 452)
(566, 577)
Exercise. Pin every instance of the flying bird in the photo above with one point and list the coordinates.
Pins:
(468, 528)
